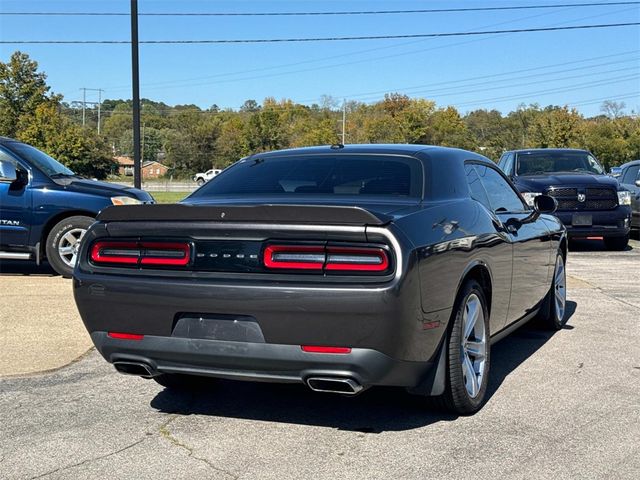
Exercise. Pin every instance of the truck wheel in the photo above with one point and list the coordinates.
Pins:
(63, 243)
(616, 243)
(552, 312)
(200, 181)
(468, 352)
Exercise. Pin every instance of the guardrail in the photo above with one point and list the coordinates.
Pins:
(164, 186)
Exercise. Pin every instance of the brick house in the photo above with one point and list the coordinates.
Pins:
(153, 169)
(125, 165)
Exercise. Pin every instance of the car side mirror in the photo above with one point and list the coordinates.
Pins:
(8, 173)
(541, 204)
(545, 204)
(638, 183)
(615, 172)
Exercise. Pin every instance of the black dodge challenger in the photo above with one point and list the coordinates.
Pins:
(340, 267)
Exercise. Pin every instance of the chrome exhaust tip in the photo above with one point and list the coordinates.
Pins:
(135, 368)
(345, 386)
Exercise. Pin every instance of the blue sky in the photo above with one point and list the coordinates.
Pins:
(578, 68)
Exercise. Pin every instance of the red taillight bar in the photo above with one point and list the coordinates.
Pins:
(157, 253)
(321, 349)
(356, 258)
(330, 258)
(125, 336)
(115, 252)
(299, 252)
(141, 253)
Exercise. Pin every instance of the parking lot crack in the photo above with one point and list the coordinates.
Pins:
(170, 437)
(89, 460)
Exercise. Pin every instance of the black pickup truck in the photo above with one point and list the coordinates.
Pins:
(590, 203)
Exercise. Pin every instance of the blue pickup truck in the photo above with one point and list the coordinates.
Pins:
(45, 208)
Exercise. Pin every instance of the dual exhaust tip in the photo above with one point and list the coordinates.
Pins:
(342, 385)
(345, 386)
(136, 368)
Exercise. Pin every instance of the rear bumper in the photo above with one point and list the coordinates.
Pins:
(259, 361)
(608, 223)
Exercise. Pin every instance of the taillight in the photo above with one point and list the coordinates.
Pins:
(357, 259)
(141, 253)
(115, 252)
(328, 258)
(160, 253)
(296, 257)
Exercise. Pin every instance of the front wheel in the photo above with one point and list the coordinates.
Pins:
(552, 312)
(616, 243)
(200, 182)
(63, 243)
(468, 352)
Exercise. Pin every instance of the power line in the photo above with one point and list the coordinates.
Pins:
(333, 57)
(329, 13)
(323, 39)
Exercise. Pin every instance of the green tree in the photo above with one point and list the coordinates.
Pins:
(22, 90)
(79, 149)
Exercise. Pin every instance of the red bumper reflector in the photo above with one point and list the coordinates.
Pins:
(125, 336)
(318, 349)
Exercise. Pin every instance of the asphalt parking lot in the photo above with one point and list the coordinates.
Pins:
(563, 405)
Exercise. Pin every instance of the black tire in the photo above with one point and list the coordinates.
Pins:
(550, 315)
(200, 181)
(616, 243)
(182, 382)
(56, 239)
(456, 397)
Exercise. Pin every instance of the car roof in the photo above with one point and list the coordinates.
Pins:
(629, 164)
(378, 148)
(549, 150)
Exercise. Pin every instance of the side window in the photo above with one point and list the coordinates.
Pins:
(631, 175)
(476, 189)
(502, 196)
(507, 168)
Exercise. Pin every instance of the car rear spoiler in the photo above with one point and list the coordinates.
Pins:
(304, 214)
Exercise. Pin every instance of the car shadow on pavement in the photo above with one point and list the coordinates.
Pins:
(16, 267)
(592, 245)
(375, 411)
(511, 352)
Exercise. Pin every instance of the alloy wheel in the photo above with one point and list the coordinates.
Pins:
(560, 288)
(473, 345)
(69, 246)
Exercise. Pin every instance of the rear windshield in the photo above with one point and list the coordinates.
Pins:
(326, 175)
(537, 163)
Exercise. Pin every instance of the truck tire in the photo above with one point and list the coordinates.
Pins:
(63, 243)
(200, 181)
(616, 243)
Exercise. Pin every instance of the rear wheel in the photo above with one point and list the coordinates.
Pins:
(468, 352)
(616, 243)
(552, 312)
(178, 381)
(63, 243)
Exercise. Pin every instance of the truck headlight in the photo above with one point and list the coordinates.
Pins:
(624, 197)
(529, 196)
(124, 200)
